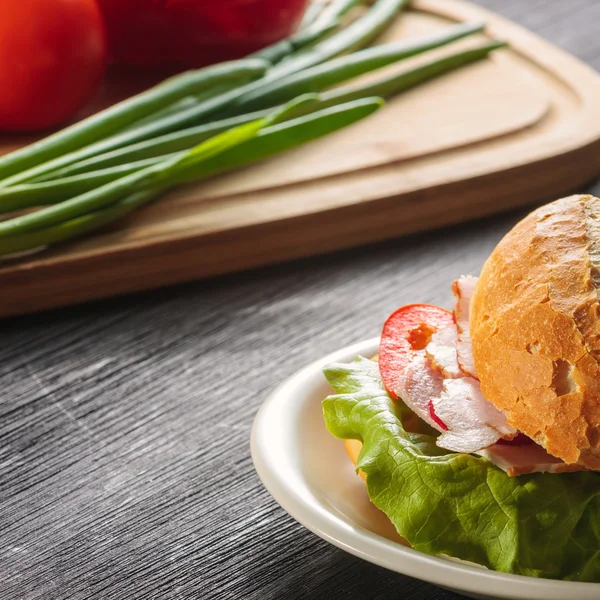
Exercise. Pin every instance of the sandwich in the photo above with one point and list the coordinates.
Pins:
(477, 430)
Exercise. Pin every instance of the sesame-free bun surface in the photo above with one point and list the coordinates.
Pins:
(535, 327)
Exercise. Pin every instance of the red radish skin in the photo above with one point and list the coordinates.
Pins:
(407, 329)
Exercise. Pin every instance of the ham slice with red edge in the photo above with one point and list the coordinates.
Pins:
(419, 384)
(473, 422)
(433, 386)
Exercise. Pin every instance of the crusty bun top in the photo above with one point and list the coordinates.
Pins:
(535, 327)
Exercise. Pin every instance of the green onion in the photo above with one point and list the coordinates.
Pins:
(19, 197)
(385, 87)
(357, 35)
(174, 142)
(117, 117)
(312, 12)
(328, 21)
(305, 37)
(336, 9)
(315, 26)
(269, 141)
(154, 176)
(179, 105)
(400, 82)
(76, 227)
(275, 139)
(343, 68)
(101, 169)
(171, 142)
(263, 95)
(160, 126)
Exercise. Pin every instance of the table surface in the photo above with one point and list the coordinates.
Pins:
(125, 469)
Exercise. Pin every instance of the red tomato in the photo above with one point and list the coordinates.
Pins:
(407, 329)
(176, 34)
(52, 56)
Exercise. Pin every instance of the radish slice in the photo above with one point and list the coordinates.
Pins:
(406, 331)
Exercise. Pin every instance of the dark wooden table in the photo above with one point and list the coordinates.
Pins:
(125, 470)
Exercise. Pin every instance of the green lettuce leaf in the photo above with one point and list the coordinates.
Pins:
(542, 525)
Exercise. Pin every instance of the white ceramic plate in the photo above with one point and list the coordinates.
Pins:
(309, 474)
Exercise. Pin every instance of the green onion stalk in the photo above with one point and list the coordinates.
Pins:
(91, 173)
(235, 148)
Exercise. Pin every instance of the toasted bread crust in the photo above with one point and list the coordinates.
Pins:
(535, 328)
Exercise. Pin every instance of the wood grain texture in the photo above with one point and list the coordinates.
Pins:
(124, 425)
(499, 134)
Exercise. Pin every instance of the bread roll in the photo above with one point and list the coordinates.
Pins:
(535, 327)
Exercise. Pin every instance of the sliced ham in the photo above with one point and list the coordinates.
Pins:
(463, 290)
(419, 384)
(434, 387)
(473, 422)
(523, 459)
(441, 351)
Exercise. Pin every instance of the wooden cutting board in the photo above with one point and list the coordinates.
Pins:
(516, 129)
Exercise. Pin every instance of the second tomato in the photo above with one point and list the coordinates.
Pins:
(179, 34)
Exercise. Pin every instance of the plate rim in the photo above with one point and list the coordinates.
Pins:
(365, 544)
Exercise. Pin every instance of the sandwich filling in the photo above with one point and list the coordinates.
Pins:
(440, 385)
